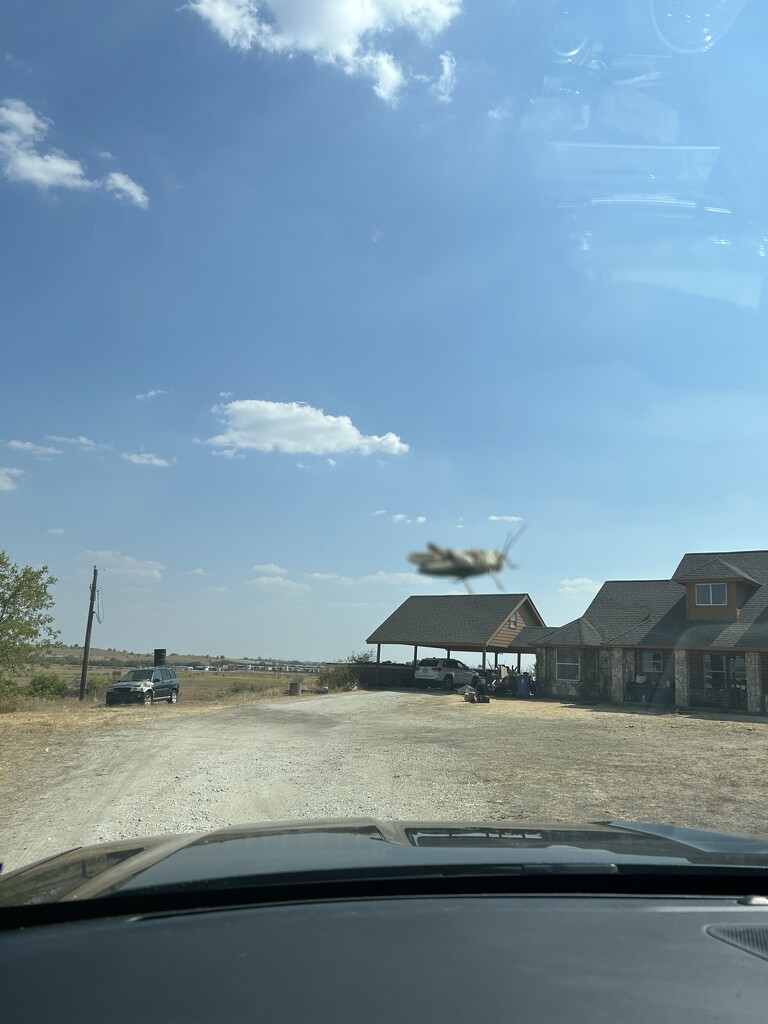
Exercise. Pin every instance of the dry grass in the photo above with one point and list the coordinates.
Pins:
(36, 728)
(565, 763)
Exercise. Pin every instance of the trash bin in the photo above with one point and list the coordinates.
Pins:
(523, 687)
(294, 688)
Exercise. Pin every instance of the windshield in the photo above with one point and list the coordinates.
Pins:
(349, 338)
(137, 675)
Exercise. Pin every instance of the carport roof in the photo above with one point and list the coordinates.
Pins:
(462, 622)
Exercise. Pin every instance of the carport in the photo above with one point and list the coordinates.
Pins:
(478, 623)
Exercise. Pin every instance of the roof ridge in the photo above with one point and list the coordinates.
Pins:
(666, 580)
(718, 554)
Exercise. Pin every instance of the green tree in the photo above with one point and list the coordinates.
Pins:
(26, 628)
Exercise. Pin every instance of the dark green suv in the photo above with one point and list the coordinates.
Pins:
(145, 685)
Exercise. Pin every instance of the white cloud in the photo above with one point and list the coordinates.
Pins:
(399, 517)
(215, 590)
(341, 34)
(145, 459)
(21, 133)
(300, 465)
(225, 394)
(294, 428)
(505, 519)
(196, 572)
(331, 462)
(498, 113)
(125, 188)
(8, 477)
(127, 566)
(151, 394)
(56, 531)
(323, 576)
(582, 586)
(82, 442)
(33, 449)
(421, 519)
(446, 83)
(278, 584)
(270, 569)
(105, 154)
(379, 512)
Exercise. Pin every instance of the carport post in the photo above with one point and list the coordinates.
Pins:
(518, 662)
(447, 652)
(378, 662)
(415, 657)
(495, 659)
(483, 659)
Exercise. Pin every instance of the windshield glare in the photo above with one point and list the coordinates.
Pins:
(345, 339)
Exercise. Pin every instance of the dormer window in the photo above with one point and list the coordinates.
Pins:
(711, 594)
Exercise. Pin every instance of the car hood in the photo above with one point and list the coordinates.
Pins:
(265, 853)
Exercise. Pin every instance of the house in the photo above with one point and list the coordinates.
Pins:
(698, 640)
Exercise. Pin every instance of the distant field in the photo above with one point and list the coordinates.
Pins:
(193, 686)
(215, 686)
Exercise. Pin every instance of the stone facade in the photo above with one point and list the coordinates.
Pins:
(617, 675)
(616, 667)
(682, 679)
(605, 670)
(754, 684)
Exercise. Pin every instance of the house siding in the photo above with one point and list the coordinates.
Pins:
(728, 612)
(505, 637)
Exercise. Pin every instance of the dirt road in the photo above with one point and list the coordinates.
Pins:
(400, 755)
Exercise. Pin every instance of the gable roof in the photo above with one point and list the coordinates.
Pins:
(652, 613)
(460, 621)
(750, 566)
(579, 633)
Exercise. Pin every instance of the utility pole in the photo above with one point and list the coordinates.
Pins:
(88, 628)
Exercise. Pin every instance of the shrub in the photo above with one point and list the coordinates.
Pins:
(96, 686)
(342, 676)
(47, 686)
(10, 697)
(243, 686)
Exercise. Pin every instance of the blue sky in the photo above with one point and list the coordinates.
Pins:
(283, 300)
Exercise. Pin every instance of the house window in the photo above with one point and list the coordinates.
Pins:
(652, 661)
(711, 593)
(512, 621)
(567, 665)
(721, 669)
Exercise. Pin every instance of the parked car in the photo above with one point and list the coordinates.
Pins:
(444, 672)
(145, 685)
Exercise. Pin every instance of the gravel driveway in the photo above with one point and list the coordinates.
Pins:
(398, 755)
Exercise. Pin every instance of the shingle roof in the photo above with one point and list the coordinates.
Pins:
(579, 633)
(652, 613)
(751, 566)
(448, 620)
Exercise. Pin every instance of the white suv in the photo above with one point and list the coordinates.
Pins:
(445, 672)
